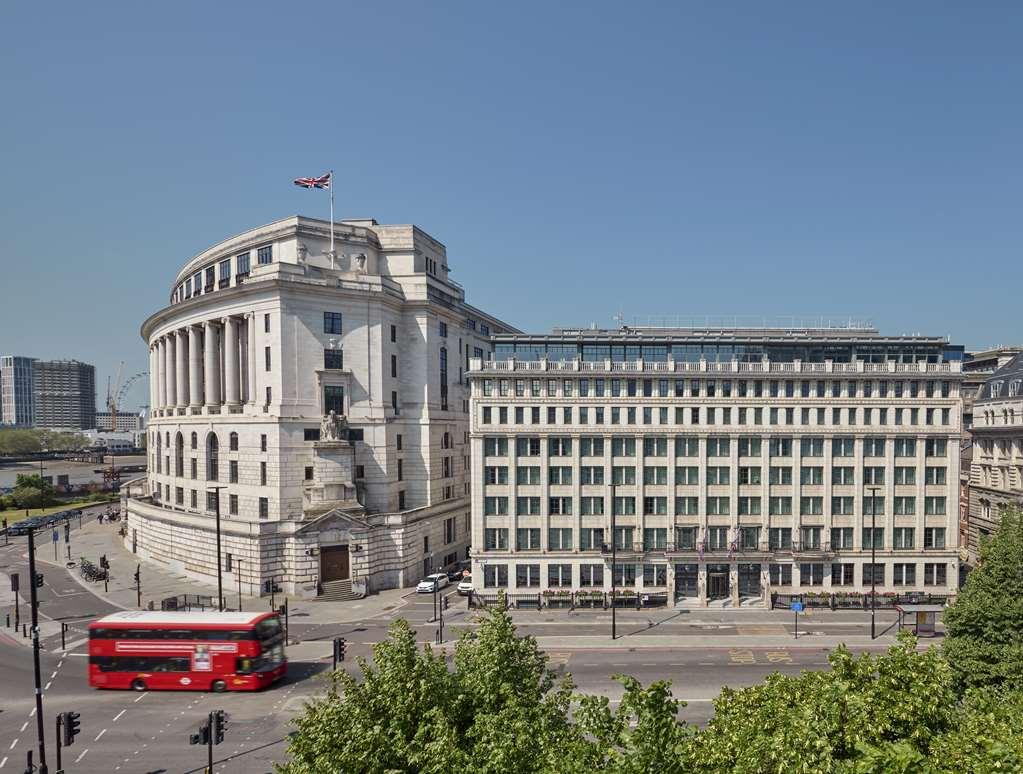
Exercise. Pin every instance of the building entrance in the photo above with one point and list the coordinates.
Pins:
(334, 563)
(687, 578)
(749, 580)
(718, 584)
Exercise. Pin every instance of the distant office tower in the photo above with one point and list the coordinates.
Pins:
(721, 464)
(16, 403)
(64, 393)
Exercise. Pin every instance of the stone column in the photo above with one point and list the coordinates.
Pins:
(250, 361)
(170, 363)
(181, 367)
(161, 377)
(194, 366)
(211, 370)
(232, 370)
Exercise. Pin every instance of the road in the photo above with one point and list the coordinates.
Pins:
(148, 732)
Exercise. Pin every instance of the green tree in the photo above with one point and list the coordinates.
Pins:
(499, 709)
(32, 491)
(984, 626)
(19, 441)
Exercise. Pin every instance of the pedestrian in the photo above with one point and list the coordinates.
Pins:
(101, 517)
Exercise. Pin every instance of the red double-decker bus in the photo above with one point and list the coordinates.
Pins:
(145, 650)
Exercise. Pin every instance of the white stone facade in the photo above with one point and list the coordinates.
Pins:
(734, 479)
(265, 335)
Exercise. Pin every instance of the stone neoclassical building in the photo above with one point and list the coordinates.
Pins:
(323, 397)
(743, 462)
(996, 468)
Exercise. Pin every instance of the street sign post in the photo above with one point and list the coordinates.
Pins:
(796, 608)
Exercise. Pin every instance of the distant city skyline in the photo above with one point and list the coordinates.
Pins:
(807, 160)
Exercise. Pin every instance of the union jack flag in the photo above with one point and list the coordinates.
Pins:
(323, 181)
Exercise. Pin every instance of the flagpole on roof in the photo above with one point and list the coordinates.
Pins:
(332, 256)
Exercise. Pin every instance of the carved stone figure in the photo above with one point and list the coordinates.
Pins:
(359, 262)
(332, 427)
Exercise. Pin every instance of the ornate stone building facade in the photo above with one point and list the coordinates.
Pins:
(996, 469)
(742, 461)
(320, 401)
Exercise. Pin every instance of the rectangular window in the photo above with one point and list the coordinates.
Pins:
(495, 539)
(935, 574)
(264, 508)
(934, 537)
(242, 264)
(934, 506)
(842, 574)
(811, 574)
(527, 539)
(264, 255)
(875, 536)
(225, 273)
(781, 574)
(495, 576)
(232, 471)
(841, 538)
(332, 322)
(559, 539)
(232, 504)
(903, 538)
(333, 359)
(333, 399)
(262, 473)
(904, 574)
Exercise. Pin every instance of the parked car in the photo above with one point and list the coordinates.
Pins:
(465, 586)
(432, 583)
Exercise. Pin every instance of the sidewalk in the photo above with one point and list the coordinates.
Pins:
(94, 540)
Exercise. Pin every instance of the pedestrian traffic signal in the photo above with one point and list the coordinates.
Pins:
(70, 726)
(39, 579)
(219, 726)
(202, 736)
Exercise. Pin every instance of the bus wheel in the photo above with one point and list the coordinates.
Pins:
(138, 685)
(219, 686)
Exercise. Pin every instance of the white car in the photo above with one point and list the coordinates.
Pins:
(465, 585)
(432, 583)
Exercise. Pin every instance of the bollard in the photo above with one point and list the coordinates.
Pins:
(8, 620)
(24, 631)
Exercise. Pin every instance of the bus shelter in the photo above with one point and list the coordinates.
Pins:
(922, 618)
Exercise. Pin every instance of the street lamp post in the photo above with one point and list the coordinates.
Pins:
(873, 561)
(33, 600)
(614, 556)
(220, 566)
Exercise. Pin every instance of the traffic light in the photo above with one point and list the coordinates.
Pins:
(219, 726)
(70, 726)
(445, 603)
(104, 562)
(15, 578)
(138, 575)
(340, 646)
(39, 579)
(202, 736)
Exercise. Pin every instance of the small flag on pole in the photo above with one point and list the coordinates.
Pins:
(323, 181)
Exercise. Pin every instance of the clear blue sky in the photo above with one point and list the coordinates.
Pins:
(576, 158)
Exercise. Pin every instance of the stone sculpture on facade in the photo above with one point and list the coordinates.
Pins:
(332, 427)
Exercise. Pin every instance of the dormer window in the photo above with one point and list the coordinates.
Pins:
(996, 389)
(1014, 387)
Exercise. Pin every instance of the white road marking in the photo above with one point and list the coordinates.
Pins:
(47, 686)
(82, 755)
(12, 744)
(99, 735)
(140, 698)
(118, 715)
(32, 714)
(54, 674)
(3, 762)
(24, 726)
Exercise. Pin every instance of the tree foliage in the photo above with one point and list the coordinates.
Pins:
(984, 626)
(500, 709)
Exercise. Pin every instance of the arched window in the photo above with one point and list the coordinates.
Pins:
(212, 457)
(446, 443)
(195, 441)
(179, 455)
(233, 442)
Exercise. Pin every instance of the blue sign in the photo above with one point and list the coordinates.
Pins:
(54, 536)
(796, 607)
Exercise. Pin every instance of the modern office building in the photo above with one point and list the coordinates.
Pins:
(996, 469)
(64, 394)
(16, 403)
(324, 398)
(127, 422)
(742, 462)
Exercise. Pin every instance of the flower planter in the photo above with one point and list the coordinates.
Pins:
(848, 602)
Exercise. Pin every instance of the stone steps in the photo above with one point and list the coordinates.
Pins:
(337, 591)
